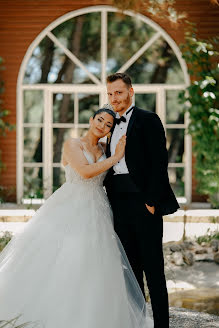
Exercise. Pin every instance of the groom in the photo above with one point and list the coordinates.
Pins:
(139, 191)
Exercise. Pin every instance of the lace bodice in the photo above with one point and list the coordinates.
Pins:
(73, 177)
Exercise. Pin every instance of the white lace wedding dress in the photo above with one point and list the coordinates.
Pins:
(67, 269)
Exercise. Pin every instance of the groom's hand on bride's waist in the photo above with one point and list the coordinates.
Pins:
(151, 209)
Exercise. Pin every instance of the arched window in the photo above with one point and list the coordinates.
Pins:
(62, 82)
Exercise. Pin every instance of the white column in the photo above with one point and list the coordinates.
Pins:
(47, 144)
(20, 146)
(103, 45)
(188, 163)
(161, 105)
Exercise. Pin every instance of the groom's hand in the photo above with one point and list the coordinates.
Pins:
(151, 209)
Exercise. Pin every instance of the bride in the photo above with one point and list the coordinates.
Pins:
(68, 268)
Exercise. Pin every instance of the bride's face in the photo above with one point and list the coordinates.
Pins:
(101, 124)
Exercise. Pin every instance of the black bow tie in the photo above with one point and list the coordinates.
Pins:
(119, 120)
(122, 118)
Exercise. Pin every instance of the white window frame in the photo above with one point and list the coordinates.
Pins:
(97, 88)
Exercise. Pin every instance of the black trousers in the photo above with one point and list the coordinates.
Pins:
(141, 235)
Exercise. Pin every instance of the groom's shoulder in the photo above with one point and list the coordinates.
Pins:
(149, 119)
(145, 114)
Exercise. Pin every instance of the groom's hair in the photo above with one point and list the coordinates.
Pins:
(120, 76)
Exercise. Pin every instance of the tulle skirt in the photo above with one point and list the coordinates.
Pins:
(68, 268)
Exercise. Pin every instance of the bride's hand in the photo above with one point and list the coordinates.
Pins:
(120, 148)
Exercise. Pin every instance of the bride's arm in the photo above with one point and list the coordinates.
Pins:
(74, 156)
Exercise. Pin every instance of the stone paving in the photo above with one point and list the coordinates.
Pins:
(184, 318)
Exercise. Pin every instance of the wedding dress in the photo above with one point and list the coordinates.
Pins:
(68, 269)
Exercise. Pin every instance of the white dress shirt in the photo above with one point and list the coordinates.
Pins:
(119, 131)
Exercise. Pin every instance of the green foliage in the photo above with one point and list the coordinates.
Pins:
(208, 238)
(201, 100)
(165, 9)
(4, 239)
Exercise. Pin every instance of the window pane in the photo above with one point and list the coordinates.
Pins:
(33, 106)
(174, 110)
(158, 64)
(49, 64)
(126, 35)
(175, 145)
(82, 36)
(58, 177)
(44, 64)
(33, 141)
(63, 108)
(146, 101)
(176, 176)
(33, 182)
(59, 136)
(88, 105)
(82, 132)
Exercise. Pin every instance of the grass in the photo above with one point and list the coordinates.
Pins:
(13, 323)
(207, 238)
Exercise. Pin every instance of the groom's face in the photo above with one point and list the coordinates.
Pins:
(120, 96)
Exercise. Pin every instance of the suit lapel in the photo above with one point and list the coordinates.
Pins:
(131, 121)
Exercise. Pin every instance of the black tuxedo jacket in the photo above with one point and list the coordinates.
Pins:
(147, 161)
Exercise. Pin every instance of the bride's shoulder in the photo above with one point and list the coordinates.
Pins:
(72, 143)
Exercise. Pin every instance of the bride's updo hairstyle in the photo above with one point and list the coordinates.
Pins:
(106, 109)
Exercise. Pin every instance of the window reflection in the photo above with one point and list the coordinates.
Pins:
(59, 137)
(174, 110)
(58, 177)
(63, 108)
(33, 106)
(82, 36)
(176, 176)
(146, 101)
(33, 182)
(158, 64)
(33, 143)
(88, 105)
(126, 35)
(175, 145)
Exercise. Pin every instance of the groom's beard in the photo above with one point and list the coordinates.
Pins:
(124, 105)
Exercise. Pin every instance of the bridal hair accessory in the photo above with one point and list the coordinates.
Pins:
(107, 106)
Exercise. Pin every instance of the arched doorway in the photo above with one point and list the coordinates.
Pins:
(62, 82)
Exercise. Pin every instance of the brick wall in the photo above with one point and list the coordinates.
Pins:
(22, 21)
